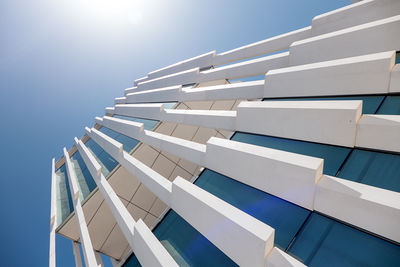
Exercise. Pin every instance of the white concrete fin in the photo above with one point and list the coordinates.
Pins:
(279, 258)
(252, 67)
(290, 176)
(355, 14)
(140, 80)
(201, 61)
(270, 45)
(367, 74)
(219, 119)
(148, 111)
(184, 77)
(395, 79)
(53, 217)
(98, 259)
(113, 147)
(114, 262)
(379, 132)
(130, 90)
(179, 147)
(120, 100)
(110, 110)
(148, 250)
(373, 209)
(94, 167)
(246, 240)
(77, 254)
(381, 35)
(165, 94)
(132, 129)
(330, 122)
(87, 247)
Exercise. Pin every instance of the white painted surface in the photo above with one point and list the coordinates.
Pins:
(279, 258)
(330, 122)
(379, 132)
(53, 217)
(120, 100)
(395, 79)
(98, 259)
(243, 238)
(367, 74)
(148, 111)
(373, 209)
(165, 94)
(77, 254)
(356, 14)
(373, 37)
(253, 67)
(273, 44)
(148, 250)
(87, 247)
(115, 263)
(201, 61)
(290, 176)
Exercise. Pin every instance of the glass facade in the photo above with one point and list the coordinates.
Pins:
(63, 195)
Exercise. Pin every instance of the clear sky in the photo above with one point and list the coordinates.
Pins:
(62, 62)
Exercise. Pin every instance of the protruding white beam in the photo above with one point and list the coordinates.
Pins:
(371, 208)
(244, 239)
(279, 258)
(99, 259)
(379, 132)
(395, 79)
(115, 263)
(154, 252)
(53, 217)
(367, 74)
(87, 247)
(77, 254)
(329, 122)
(290, 176)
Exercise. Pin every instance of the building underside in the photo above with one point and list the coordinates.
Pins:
(284, 152)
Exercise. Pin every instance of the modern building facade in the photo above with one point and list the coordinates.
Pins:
(284, 152)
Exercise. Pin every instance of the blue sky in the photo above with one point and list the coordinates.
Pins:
(62, 62)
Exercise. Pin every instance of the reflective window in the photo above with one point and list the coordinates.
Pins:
(63, 195)
(333, 155)
(147, 124)
(285, 217)
(85, 180)
(391, 106)
(129, 143)
(398, 57)
(107, 162)
(326, 242)
(370, 103)
(373, 168)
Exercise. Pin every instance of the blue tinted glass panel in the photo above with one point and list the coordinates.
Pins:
(132, 261)
(397, 57)
(325, 242)
(186, 245)
(63, 195)
(284, 217)
(129, 143)
(148, 124)
(333, 156)
(107, 162)
(391, 106)
(169, 105)
(373, 168)
(370, 103)
(85, 180)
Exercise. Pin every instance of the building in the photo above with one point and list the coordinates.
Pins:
(297, 163)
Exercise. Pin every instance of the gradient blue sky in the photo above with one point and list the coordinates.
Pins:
(62, 62)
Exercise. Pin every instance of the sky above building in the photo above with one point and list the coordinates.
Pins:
(62, 62)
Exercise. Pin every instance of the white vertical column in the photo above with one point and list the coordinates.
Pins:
(77, 254)
(114, 262)
(53, 217)
(88, 253)
(99, 260)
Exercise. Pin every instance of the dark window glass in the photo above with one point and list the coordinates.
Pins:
(326, 242)
(391, 106)
(373, 168)
(85, 180)
(107, 162)
(370, 103)
(333, 155)
(398, 57)
(129, 143)
(285, 217)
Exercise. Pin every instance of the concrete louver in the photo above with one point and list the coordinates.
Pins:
(245, 240)
(87, 247)
(290, 176)
(147, 248)
(366, 74)
(331, 122)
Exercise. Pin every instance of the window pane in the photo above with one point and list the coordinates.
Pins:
(373, 168)
(63, 195)
(326, 242)
(148, 124)
(284, 216)
(128, 143)
(85, 180)
(391, 106)
(370, 103)
(107, 162)
(333, 155)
